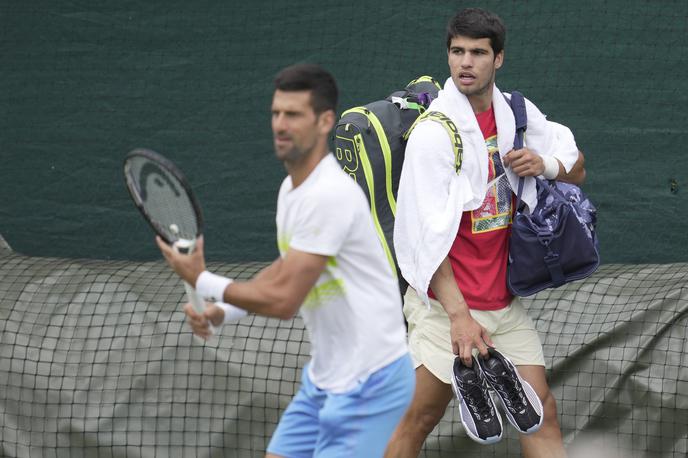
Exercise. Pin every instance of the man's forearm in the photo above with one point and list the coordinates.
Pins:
(447, 292)
(279, 289)
(269, 293)
(266, 296)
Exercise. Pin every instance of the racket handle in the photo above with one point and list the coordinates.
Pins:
(198, 302)
(194, 298)
(187, 247)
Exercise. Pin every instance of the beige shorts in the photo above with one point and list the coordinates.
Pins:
(511, 329)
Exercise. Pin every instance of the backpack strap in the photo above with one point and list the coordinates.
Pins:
(451, 129)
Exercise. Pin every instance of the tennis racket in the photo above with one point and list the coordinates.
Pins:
(164, 197)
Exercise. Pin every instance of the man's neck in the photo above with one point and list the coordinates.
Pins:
(481, 102)
(299, 171)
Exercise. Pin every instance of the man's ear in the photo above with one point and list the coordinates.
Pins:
(326, 121)
(499, 59)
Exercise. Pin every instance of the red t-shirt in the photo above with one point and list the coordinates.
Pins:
(480, 251)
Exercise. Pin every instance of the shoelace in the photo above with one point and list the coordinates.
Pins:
(476, 397)
(515, 398)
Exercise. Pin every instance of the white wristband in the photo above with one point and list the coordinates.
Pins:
(232, 312)
(212, 287)
(551, 164)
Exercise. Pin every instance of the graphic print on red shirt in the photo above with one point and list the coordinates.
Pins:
(480, 251)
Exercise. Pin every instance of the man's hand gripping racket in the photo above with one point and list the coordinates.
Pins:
(165, 199)
(187, 260)
(186, 247)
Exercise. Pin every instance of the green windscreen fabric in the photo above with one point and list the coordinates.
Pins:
(96, 360)
(82, 83)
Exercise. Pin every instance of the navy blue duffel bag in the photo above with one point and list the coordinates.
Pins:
(556, 243)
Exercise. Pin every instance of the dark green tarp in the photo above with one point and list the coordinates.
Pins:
(82, 83)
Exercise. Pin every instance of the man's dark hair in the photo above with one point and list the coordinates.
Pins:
(310, 77)
(477, 23)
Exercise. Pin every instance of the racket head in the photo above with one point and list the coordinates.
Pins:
(163, 195)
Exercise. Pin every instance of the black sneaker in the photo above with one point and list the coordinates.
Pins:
(521, 404)
(478, 413)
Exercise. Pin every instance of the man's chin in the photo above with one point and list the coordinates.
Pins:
(288, 154)
(281, 151)
(472, 91)
(467, 90)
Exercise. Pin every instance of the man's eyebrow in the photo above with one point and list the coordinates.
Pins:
(475, 48)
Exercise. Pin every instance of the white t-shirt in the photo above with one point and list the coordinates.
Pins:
(353, 313)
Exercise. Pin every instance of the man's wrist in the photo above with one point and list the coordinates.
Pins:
(458, 312)
(232, 312)
(212, 287)
(551, 165)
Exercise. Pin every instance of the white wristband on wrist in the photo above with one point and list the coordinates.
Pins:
(232, 313)
(551, 167)
(212, 287)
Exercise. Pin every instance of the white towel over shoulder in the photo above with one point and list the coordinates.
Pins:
(432, 195)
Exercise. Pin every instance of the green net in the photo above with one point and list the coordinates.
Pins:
(97, 361)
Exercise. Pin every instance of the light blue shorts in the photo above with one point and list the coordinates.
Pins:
(358, 423)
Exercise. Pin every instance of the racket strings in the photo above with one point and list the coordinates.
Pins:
(163, 199)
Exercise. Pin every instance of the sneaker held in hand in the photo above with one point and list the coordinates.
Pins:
(479, 416)
(521, 404)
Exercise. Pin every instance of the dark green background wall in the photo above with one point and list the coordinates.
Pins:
(82, 83)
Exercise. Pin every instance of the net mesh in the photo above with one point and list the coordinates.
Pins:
(96, 360)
